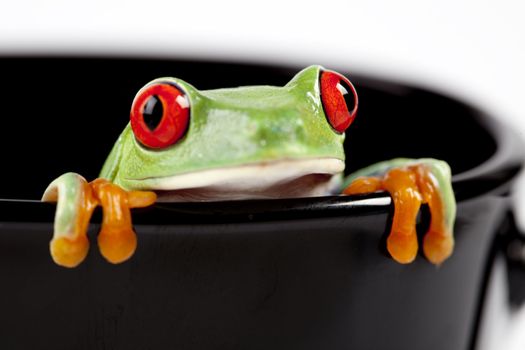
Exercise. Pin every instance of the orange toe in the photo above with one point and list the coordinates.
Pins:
(402, 247)
(437, 247)
(68, 252)
(117, 246)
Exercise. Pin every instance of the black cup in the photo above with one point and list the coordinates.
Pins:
(307, 273)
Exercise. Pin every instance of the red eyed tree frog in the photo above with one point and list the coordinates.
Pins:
(183, 144)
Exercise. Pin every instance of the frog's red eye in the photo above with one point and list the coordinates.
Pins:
(160, 115)
(339, 100)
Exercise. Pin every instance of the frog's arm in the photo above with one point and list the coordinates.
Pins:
(76, 199)
(412, 182)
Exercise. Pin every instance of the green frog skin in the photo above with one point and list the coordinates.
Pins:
(250, 142)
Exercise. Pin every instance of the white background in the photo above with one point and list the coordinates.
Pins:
(474, 49)
(471, 49)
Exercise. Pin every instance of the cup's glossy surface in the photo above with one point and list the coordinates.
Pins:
(303, 274)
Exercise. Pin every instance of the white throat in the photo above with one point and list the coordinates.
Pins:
(279, 179)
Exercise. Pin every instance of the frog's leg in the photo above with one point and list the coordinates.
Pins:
(76, 199)
(412, 182)
(70, 245)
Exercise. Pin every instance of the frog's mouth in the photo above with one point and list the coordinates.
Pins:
(277, 179)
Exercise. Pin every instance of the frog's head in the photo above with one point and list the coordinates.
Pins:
(257, 141)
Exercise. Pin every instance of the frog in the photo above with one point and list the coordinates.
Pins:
(250, 142)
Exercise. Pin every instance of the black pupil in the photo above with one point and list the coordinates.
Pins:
(152, 113)
(348, 96)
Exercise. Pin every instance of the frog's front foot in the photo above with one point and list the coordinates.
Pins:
(76, 199)
(410, 186)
